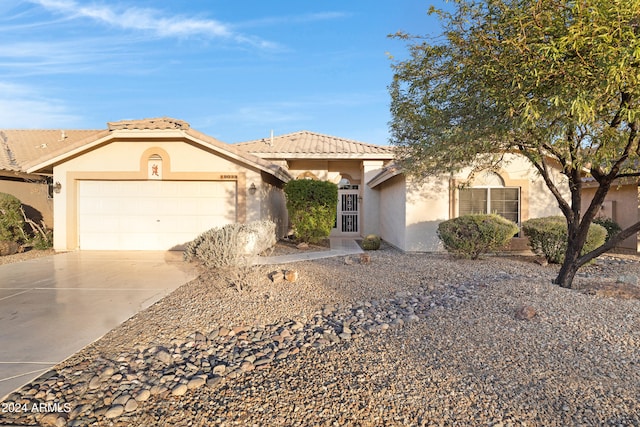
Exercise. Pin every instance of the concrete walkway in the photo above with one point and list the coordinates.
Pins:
(338, 247)
(52, 307)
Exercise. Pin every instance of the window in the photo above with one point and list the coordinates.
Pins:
(504, 201)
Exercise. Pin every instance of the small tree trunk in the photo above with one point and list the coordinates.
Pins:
(566, 275)
(569, 267)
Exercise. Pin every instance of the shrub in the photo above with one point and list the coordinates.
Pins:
(231, 245)
(312, 208)
(11, 221)
(8, 247)
(42, 240)
(313, 224)
(548, 237)
(610, 225)
(371, 242)
(469, 236)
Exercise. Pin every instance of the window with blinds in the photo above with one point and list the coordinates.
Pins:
(503, 201)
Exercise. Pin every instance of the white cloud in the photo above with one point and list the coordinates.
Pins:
(51, 57)
(292, 19)
(22, 108)
(151, 20)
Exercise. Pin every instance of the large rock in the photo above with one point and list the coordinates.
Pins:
(257, 236)
(8, 248)
(526, 312)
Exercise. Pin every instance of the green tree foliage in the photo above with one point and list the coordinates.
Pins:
(470, 236)
(556, 81)
(11, 221)
(312, 208)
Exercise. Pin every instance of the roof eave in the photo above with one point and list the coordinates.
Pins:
(385, 175)
(257, 163)
(323, 156)
(33, 167)
(189, 134)
(11, 173)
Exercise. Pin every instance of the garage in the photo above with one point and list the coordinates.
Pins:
(151, 215)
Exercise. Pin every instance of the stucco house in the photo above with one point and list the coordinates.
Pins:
(155, 184)
(622, 204)
(516, 192)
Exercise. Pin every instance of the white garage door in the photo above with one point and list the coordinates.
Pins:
(151, 215)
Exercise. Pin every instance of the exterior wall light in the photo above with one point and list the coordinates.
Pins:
(252, 189)
(57, 187)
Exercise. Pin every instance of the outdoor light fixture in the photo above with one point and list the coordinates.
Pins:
(252, 189)
(57, 187)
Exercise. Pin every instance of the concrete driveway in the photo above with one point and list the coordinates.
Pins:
(52, 307)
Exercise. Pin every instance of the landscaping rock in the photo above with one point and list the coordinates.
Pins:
(291, 275)
(525, 312)
(276, 276)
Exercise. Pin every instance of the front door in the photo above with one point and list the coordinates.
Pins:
(348, 218)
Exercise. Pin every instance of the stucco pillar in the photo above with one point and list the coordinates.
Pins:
(370, 216)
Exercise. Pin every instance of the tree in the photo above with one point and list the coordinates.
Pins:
(11, 222)
(554, 80)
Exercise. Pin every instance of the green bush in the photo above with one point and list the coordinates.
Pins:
(548, 237)
(42, 240)
(313, 224)
(610, 225)
(469, 236)
(312, 208)
(371, 242)
(11, 221)
(232, 245)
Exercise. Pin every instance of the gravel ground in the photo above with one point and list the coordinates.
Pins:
(24, 256)
(405, 340)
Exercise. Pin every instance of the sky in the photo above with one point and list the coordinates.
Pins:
(235, 70)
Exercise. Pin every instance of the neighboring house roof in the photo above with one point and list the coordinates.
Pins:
(18, 147)
(59, 151)
(7, 159)
(28, 145)
(310, 145)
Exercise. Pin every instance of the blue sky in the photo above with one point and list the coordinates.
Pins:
(234, 70)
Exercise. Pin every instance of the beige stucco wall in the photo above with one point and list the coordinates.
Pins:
(370, 216)
(410, 212)
(427, 206)
(621, 205)
(327, 170)
(127, 160)
(414, 227)
(274, 204)
(34, 197)
(392, 211)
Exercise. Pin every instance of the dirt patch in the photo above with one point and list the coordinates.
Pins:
(612, 290)
(289, 247)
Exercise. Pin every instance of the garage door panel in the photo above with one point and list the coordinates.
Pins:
(151, 215)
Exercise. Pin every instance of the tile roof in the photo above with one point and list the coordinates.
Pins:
(29, 150)
(305, 144)
(36, 151)
(19, 147)
(153, 123)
